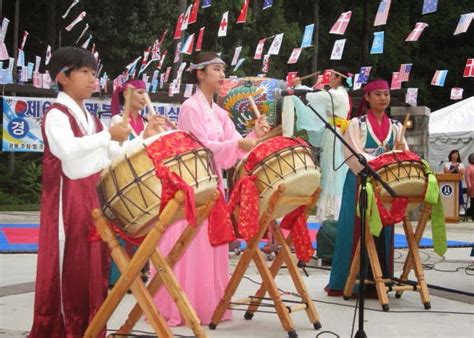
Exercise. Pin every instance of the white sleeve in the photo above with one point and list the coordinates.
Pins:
(62, 142)
(115, 148)
(80, 156)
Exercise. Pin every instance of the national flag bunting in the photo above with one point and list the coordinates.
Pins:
(48, 55)
(178, 31)
(243, 12)
(206, 3)
(74, 3)
(377, 43)
(463, 23)
(439, 78)
(276, 44)
(469, 69)
(78, 19)
(429, 6)
(236, 56)
(416, 32)
(199, 39)
(259, 49)
(290, 77)
(456, 93)
(307, 36)
(194, 12)
(364, 74)
(382, 13)
(239, 63)
(404, 72)
(188, 45)
(187, 14)
(267, 4)
(338, 49)
(396, 83)
(341, 24)
(223, 25)
(294, 55)
(411, 96)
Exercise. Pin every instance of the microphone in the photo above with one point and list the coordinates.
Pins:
(279, 93)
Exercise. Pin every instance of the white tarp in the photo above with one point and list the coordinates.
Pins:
(451, 127)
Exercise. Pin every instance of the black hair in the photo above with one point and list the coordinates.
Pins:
(72, 57)
(344, 71)
(451, 154)
(471, 158)
(199, 58)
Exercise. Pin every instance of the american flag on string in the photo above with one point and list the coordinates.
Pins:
(404, 72)
(382, 13)
(463, 24)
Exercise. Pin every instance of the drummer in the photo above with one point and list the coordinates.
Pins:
(203, 270)
(137, 123)
(371, 134)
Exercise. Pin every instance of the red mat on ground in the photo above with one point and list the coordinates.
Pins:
(22, 235)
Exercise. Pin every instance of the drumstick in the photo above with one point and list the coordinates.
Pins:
(272, 133)
(126, 108)
(405, 124)
(309, 75)
(151, 111)
(256, 111)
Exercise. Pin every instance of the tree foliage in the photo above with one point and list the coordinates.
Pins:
(122, 29)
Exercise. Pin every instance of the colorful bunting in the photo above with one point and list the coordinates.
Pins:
(48, 55)
(187, 14)
(267, 4)
(429, 6)
(243, 12)
(162, 60)
(294, 55)
(396, 83)
(276, 44)
(223, 25)
(411, 96)
(456, 93)
(382, 13)
(404, 72)
(266, 63)
(341, 24)
(194, 12)
(82, 33)
(463, 24)
(307, 36)
(416, 32)
(3, 32)
(85, 44)
(469, 69)
(199, 39)
(236, 56)
(259, 49)
(364, 74)
(188, 90)
(78, 19)
(188, 45)
(338, 49)
(439, 78)
(206, 3)
(178, 31)
(239, 63)
(377, 43)
(74, 3)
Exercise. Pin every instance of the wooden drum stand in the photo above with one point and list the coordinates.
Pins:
(130, 273)
(268, 274)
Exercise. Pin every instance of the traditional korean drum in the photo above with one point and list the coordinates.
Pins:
(281, 160)
(403, 171)
(130, 191)
(233, 97)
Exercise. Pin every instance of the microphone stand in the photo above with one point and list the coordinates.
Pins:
(366, 172)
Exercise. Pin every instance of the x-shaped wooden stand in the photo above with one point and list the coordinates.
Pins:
(130, 273)
(268, 274)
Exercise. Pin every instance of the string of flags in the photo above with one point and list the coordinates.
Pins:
(190, 42)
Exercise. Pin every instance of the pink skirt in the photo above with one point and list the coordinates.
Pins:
(202, 272)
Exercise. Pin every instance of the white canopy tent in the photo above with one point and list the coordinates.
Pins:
(451, 127)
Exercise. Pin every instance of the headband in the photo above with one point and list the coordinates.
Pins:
(115, 104)
(202, 65)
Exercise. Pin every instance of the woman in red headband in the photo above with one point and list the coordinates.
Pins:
(371, 135)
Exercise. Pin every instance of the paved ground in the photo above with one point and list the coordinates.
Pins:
(452, 315)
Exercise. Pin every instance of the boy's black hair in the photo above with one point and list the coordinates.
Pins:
(72, 58)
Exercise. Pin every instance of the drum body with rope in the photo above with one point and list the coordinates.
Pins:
(281, 160)
(403, 171)
(130, 191)
(233, 97)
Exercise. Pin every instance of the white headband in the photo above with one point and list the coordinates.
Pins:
(202, 65)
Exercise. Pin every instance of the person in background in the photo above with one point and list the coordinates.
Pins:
(455, 166)
(469, 177)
